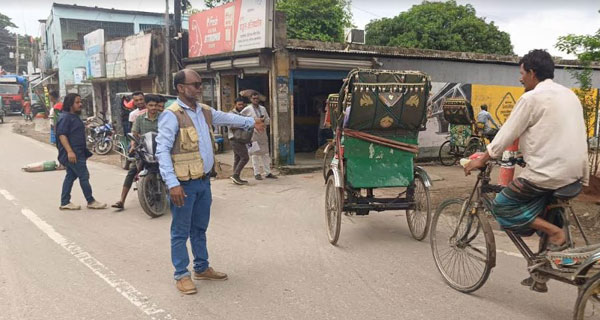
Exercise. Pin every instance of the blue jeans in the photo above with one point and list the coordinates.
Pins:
(191, 221)
(75, 171)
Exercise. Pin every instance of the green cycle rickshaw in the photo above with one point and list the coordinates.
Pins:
(376, 121)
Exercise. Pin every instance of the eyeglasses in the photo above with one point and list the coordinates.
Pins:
(196, 85)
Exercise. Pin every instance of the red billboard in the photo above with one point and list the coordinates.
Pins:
(236, 26)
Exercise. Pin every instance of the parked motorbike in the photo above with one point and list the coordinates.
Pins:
(1, 114)
(100, 136)
(152, 191)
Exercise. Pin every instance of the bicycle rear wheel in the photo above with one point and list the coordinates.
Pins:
(465, 252)
(447, 154)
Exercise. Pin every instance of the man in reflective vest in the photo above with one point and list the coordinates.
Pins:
(186, 157)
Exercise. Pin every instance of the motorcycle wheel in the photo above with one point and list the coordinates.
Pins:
(152, 193)
(103, 147)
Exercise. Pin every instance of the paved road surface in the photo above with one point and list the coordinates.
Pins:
(269, 237)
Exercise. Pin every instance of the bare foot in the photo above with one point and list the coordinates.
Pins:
(557, 238)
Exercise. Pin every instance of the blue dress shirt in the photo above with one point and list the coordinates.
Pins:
(168, 128)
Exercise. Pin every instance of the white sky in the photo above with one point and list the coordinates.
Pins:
(532, 24)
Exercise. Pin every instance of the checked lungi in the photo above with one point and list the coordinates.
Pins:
(517, 205)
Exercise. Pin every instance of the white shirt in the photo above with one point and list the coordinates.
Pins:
(548, 121)
(135, 113)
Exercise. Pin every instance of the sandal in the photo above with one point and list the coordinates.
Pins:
(118, 205)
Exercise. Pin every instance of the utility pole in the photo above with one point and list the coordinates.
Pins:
(17, 55)
(167, 49)
(177, 15)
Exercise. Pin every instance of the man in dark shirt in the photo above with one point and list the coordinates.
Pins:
(73, 153)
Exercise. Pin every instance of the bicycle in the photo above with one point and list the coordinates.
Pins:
(465, 252)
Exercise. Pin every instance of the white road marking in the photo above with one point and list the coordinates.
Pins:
(123, 287)
(8, 196)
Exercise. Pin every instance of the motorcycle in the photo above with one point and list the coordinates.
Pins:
(100, 137)
(1, 114)
(152, 191)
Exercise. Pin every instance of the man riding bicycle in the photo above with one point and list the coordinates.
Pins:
(548, 121)
(483, 120)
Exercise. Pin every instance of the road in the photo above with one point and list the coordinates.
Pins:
(269, 237)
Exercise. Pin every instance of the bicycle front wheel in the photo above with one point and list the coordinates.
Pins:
(463, 245)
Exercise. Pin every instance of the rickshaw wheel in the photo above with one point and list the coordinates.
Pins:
(587, 305)
(447, 154)
(334, 201)
(418, 219)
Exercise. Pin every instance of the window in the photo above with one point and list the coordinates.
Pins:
(145, 26)
(73, 31)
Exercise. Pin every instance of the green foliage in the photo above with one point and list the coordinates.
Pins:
(587, 50)
(5, 22)
(440, 26)
(322, 20)
(215, 3)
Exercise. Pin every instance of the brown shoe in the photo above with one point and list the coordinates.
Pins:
(186, 286)
(210, 274)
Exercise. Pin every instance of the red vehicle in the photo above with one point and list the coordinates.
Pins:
(12, 93)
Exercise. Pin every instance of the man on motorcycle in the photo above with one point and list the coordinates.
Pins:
(140, 104)
(548, 121)
(143, 124)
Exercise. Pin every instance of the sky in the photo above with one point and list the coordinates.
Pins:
(531, 24)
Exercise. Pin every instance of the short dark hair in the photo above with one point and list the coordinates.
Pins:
(255, 94)
(152, 98)
(163, 98)
(54, 94)
(137, 93)
(69, 101)
(484, 107)
(540, 61)
(179, 78)
(239, 99)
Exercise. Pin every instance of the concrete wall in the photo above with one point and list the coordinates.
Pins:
(474, 72)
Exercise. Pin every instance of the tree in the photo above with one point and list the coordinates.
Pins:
(587, 50)
(322, 20)
(440, 26)
(215, 3)
(5, 22)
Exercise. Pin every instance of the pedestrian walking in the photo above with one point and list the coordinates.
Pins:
(240, 149)
(55, 109)
(143, 124)
(73, 154)
(259, 151)
(27, 110)
(186, 157)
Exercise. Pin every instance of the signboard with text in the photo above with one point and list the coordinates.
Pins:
(236, 26)
(94, 53)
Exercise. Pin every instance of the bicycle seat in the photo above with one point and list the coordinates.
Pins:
(569, 191)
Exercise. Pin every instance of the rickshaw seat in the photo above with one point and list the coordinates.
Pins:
(569, 191)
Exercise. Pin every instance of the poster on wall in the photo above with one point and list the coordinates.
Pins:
(236, 26)
(93, 43)
(137, 54)
(115, 59)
